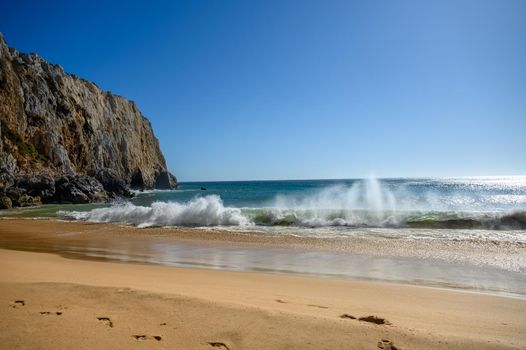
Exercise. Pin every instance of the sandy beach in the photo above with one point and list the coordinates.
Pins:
(54, 302)
(273, 175)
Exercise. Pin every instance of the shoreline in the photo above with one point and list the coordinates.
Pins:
(387, 260)
(418, 317)
(356, 258)
(53, 301)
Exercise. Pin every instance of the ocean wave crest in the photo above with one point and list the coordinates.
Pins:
(365, 204)
(200, 211)
(386, 219)
(324, 217)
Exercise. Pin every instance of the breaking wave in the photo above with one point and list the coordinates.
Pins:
(200, 211)
(367, 203)
(210, 211)
(387, 219)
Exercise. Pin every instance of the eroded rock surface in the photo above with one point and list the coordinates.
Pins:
(62, 139)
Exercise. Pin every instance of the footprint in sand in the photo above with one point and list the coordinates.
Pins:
(370, 319)
(58, 313)
(18, 303)
(281, 301)
(219, 345)
(386, 344)
(374, 319)
(143, 337)
(105, 321)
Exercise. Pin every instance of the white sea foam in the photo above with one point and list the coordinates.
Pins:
(372, 203)
(368, 203)
(364, 203)
(369, 194)
(200, 211)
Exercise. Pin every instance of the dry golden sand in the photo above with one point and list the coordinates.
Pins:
(51, 302)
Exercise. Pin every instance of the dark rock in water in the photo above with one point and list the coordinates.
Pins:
(163, 180)
(173, 180)
(20, 198)
(113, 185)
(38, 185)
(14, 193)
(67, 192)
(137, 181)
(203, 188)
(28, 201)
(78, 189)
(5, 202)
(57, 129)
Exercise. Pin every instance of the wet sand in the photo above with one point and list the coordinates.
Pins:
(54, 302)
(431, 262)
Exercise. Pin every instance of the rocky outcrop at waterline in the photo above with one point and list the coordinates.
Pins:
(64, 140)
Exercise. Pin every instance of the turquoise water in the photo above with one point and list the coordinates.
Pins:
(466, 232)
(461, 194)
(495, 204)
(490, 203)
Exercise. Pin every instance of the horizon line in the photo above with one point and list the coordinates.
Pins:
(364, 178)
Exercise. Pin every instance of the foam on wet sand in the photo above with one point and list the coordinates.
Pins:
(115, 305)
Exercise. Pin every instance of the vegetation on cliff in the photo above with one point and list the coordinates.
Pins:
(62, 139)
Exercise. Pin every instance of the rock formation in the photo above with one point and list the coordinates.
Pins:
(64, 140)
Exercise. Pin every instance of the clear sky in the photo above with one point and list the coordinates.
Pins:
(277, 89)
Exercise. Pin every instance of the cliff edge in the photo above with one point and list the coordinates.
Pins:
(62, 139)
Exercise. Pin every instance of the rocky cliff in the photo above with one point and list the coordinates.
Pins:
(63, 139)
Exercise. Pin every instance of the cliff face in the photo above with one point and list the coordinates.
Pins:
(61, 130)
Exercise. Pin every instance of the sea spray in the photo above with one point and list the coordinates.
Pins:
(372, 203)
(364, 203)
(200, 211)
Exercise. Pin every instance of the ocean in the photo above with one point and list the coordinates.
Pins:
(332, 207)
(465, 233)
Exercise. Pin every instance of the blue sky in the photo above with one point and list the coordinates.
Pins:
(278, 89)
